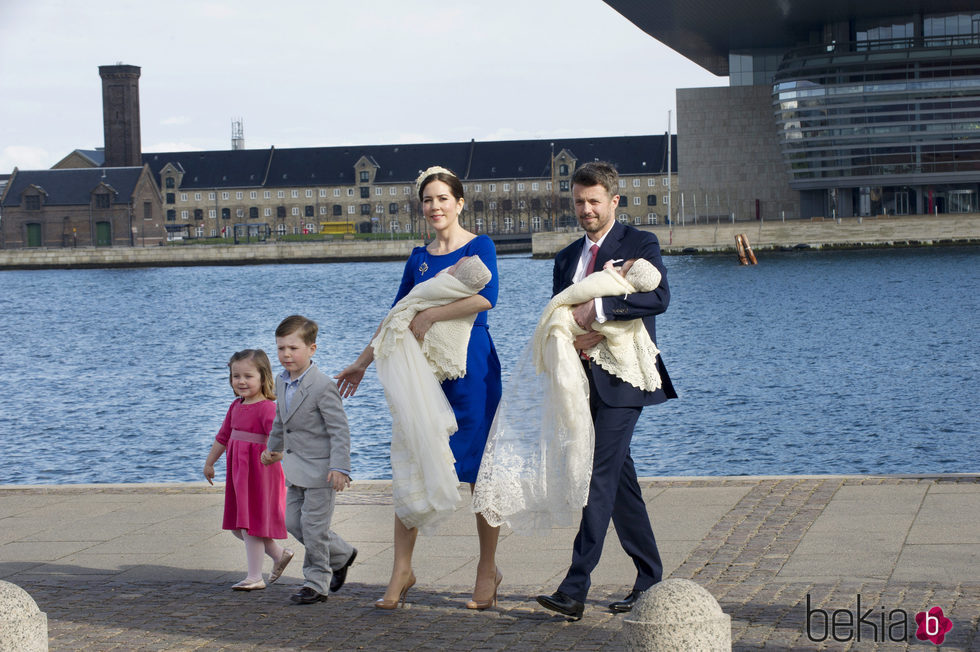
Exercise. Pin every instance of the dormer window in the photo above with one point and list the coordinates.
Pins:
(102, 200)
(364, 176)
(170, 182)
(563, 170)
(32, 202)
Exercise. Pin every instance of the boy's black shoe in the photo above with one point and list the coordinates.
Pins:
(340, 575)
(306, 595)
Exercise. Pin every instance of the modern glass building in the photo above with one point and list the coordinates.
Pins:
(874, 106)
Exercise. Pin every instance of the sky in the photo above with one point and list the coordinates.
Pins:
(326, 72)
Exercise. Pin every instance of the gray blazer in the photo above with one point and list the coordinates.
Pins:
(313, 435)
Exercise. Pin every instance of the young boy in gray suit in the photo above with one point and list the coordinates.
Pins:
(311, 426)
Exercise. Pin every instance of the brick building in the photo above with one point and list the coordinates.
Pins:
(81, 207)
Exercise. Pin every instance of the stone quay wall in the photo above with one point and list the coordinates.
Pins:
(189, 255)
(845, 233)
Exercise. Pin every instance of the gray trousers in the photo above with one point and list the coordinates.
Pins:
(308, 514)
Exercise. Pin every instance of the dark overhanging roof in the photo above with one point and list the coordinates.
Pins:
(705, 31)
(471, 160)
(74, 186)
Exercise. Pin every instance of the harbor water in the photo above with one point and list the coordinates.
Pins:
(808, 363)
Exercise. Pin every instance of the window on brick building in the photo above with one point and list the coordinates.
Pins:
(478, 205)
(308, 211)
(102, 199)
(365, 209)
(364, 176)
(280, 211)
(563, 186)
(563, 170)
(393, 208)
(148, 210)
(253, 213)
(170, 200)
(171, 215)
(170, 182)
(198, 214)
(226, 213)
(337, 209)
(651, 200)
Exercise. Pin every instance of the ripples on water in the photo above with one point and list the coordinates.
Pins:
(810, 362)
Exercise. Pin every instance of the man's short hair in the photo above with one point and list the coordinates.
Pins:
(597, 173)
(306, 328)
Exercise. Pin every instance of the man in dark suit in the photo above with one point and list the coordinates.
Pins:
(614, 492)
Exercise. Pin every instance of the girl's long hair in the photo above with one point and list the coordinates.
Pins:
(261, 362)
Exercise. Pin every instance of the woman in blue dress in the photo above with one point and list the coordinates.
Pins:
(474, 396)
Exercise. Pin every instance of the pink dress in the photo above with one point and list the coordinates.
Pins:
(255, 494)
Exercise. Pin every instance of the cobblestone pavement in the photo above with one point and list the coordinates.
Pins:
(745, 560)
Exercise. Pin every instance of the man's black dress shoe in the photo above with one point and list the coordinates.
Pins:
(626, 604)
(306, 595)
(563, 604)
(340, 575)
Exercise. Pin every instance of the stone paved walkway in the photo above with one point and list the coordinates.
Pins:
(145, 568)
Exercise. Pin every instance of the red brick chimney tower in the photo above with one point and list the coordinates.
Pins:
(121, 115)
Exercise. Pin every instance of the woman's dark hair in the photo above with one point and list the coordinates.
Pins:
(451, 180)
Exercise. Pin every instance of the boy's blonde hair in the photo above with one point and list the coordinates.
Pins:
(261, 362)
(305, 326)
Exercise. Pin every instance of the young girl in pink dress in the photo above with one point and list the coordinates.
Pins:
(255, 494)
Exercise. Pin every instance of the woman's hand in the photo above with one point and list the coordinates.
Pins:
(421, 323)
(350, 378)
(209, 473)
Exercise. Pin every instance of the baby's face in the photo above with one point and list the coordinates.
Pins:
(620, 270)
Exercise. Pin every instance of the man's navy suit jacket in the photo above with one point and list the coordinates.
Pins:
(624, 242)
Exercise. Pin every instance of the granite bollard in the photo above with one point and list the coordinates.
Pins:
(677, 614)
(23, 627)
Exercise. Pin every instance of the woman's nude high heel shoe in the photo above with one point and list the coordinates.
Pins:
(492, 602)
(381, 603)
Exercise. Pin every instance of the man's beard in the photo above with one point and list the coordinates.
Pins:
(593, 227)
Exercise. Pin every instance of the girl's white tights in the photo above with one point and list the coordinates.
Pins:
(255, 547)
